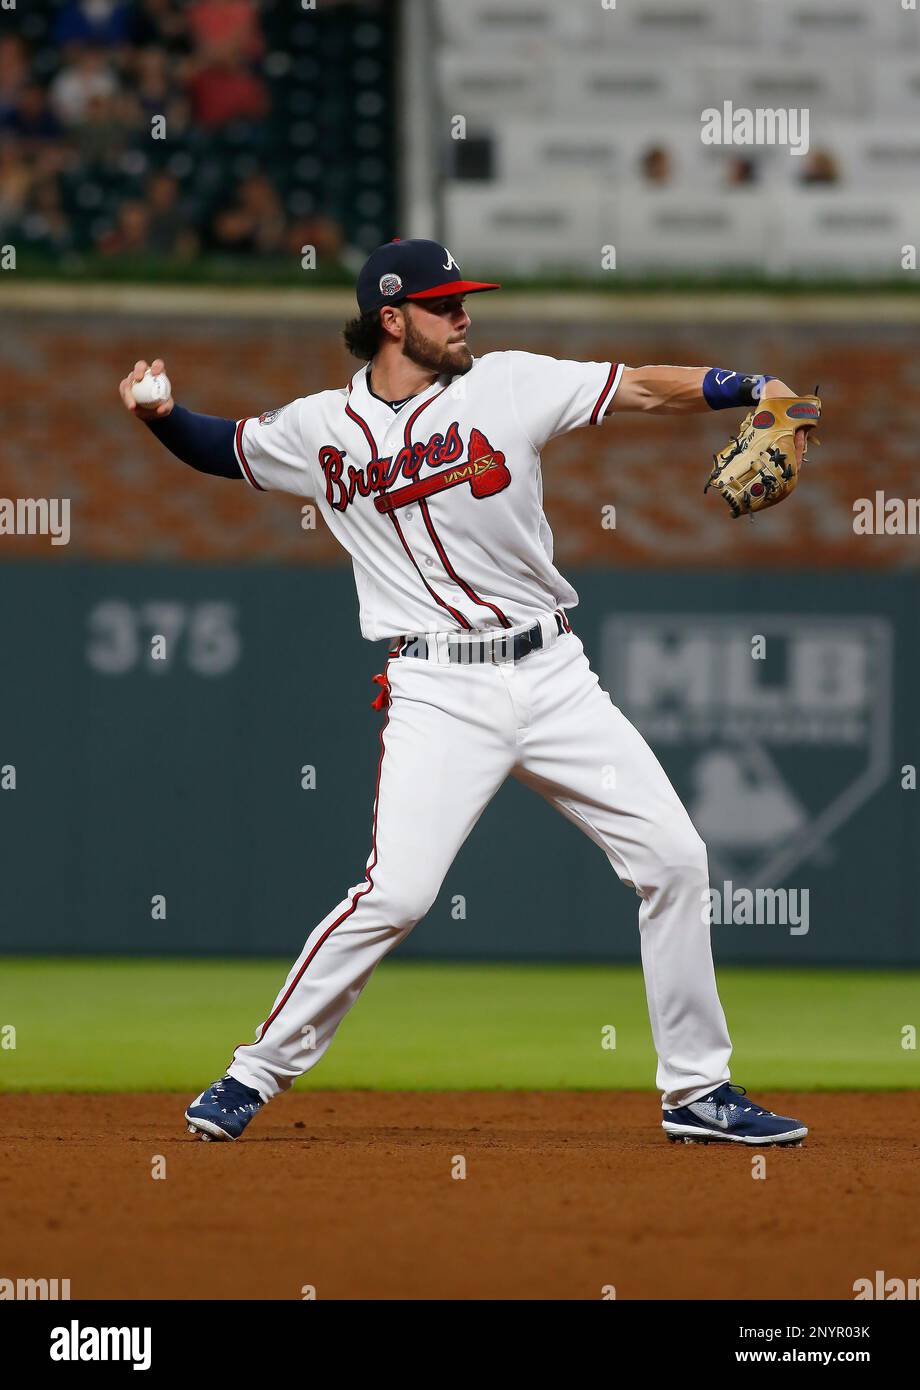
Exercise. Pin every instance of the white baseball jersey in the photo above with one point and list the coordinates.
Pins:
(439, 503)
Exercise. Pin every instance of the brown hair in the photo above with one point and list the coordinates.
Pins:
(363, 335)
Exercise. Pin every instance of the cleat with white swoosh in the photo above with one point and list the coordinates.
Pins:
(224, 1110)
(728, 1114)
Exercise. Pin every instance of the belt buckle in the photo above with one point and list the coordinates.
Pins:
(500, 644)
(531, 640)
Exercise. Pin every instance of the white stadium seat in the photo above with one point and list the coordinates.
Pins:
(493, 85)
(573, 94)
(672, 27)
(838, 88)
(487, 25)
(896, 87)
(665, 230)
(541, 149)
(885, 157)
(815, 26)
(608, 89)
(829, 231)
(523, 229)
(870, 155)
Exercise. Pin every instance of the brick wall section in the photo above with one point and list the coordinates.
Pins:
(66, 434)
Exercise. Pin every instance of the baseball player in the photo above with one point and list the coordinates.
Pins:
(426, 467)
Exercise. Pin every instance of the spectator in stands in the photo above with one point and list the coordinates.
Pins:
(160, 23)
(76, 103)
(155, 91)
(31, 118)
(322, 233)
(14, 73)
(225, 90)
(45, 227)
(656, 165)
(106, 23)
(15, 181)
(89, 75)
(102, 136)
(819, 166)
(129, 236)
(221, 29)
(740, 170)
(254, 224)
(227, 41)
(168, 233)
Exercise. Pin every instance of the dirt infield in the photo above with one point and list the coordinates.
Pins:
(352, 1193)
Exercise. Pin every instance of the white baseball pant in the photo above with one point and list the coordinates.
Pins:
(452, 734)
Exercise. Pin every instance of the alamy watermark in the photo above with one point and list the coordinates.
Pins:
(760, 907)
(28, 1290)
(742, 125)
(886, 516)
(884, 1288)
(76, 1343)
(36, 516)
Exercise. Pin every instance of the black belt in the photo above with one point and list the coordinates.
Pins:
(473, 650)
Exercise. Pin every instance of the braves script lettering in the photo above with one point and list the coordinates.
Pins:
(343, 485)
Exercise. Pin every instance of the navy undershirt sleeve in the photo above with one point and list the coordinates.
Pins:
(204, 442)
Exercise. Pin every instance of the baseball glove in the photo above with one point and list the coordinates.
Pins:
(758, 467)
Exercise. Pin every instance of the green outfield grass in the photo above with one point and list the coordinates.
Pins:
(127, 1025)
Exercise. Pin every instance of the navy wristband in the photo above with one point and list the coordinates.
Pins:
(204, 442)
(726, 390)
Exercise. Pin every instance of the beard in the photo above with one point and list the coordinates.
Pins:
(453, 360)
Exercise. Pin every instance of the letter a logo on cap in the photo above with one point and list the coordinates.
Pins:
(450, 263)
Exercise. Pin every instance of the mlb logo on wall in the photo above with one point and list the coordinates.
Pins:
(772, 756)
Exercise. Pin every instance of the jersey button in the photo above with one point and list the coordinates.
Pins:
(429, 561)
(409, 515)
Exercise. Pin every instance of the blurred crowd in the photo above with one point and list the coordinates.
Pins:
(658, 166)
(81, 102)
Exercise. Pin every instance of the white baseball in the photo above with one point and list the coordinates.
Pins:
(151, 390)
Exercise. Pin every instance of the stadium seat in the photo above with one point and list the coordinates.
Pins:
(496, 84)
(600, 88)
(660, 229)
(830, 231)
(872, 156)
(896, 87)
(518, 25)
(839, 88)
(524, 230)
(836, 26)
(674, 27)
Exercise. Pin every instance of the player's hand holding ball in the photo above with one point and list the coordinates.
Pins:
(146, 391)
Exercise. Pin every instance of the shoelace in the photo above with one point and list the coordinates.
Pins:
(733, 1105)
(225, 1099)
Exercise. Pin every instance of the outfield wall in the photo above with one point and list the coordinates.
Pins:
(184, 778)
(242, 354)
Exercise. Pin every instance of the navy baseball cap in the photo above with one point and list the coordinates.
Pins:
(413, 269)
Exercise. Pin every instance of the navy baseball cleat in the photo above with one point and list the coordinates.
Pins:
(728, 1113)
(224, 1110)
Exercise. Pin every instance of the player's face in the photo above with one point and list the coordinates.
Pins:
(436, 334)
